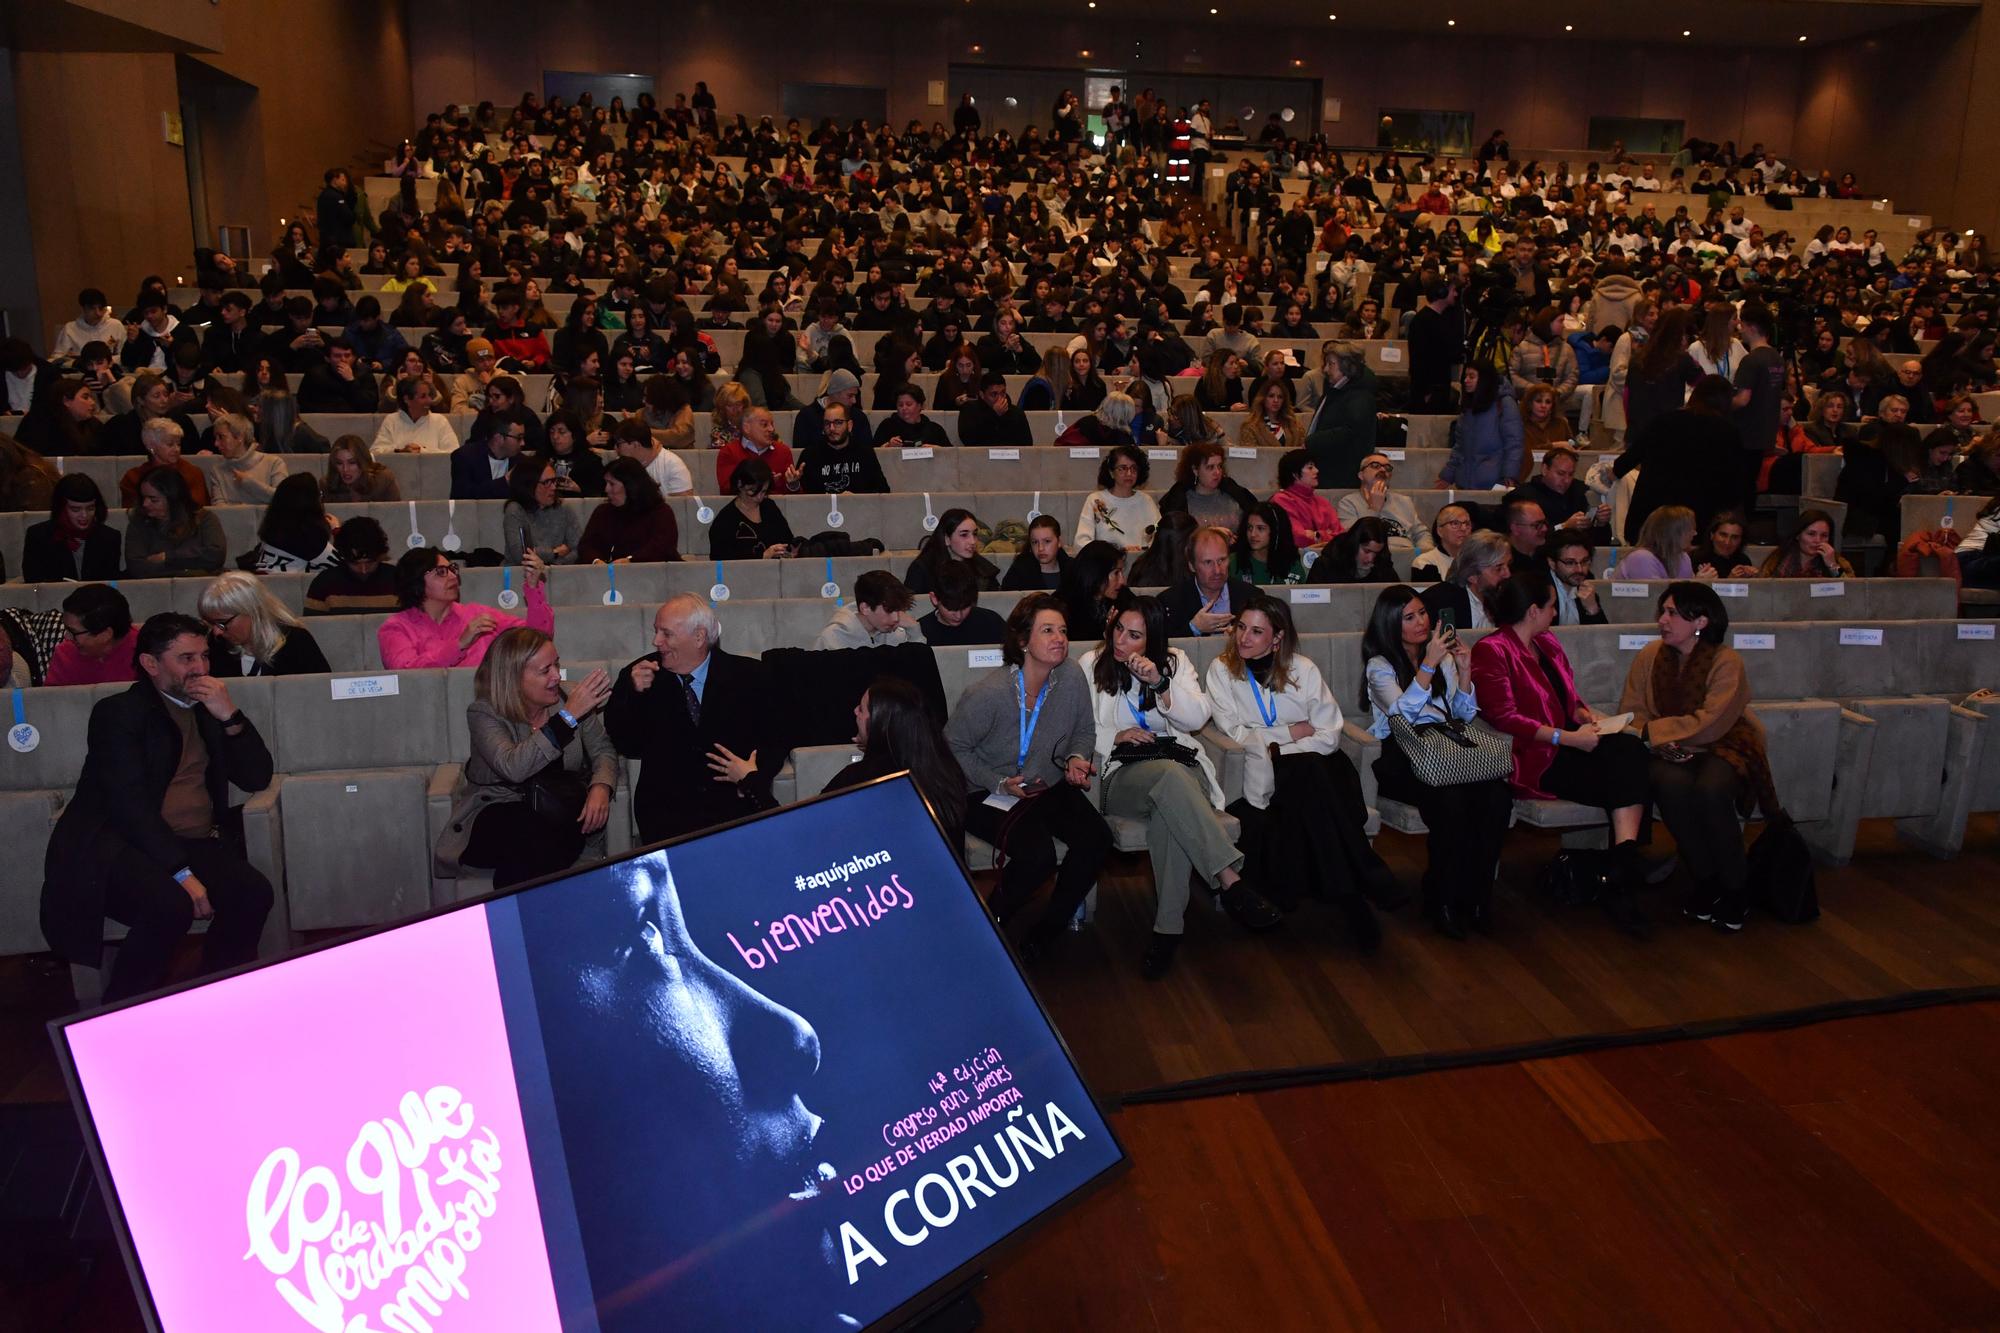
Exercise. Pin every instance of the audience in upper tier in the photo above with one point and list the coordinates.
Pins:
(967, 283)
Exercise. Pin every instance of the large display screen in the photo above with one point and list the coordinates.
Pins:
(784, 1075)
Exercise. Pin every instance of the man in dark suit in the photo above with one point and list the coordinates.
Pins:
(479, 467)
(1207, 600)
(147, 840)
(1483, 564)
(700, 719)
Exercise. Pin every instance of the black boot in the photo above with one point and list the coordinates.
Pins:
(1159, 959)
(1450, 921)
(1621, 891)
(1249, 908)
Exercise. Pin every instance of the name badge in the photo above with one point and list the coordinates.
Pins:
(983, 657)
(1391, 355)
(1747, 642)
(1829, 590)
(1003, 455)
(1629, 590)
(912, 455)
(1732, 590)
(1079, 451)
(1311, 596)
(1243, 451)
(365, 687)
(1967, 631)
(1852, 637)
(1627, 642)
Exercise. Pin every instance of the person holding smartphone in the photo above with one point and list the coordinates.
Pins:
(1025, 738)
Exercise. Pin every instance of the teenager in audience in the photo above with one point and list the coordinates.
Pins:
(1689, 696)
(62, 420)
(993, 420)
(163, 438)
(956, 618)
(1147, 704)
(537, 517)
(253, 633)
(167, 533)
(1525, 688)
(73, 543)
(1486, 440)
(1358, 555)
(1204, 489)
(1662, 550)
(354, 477)
(634, 522)
(1810, 552)
(1264, 553)
(751, 526)
(908, 427)
(1423, 674)
(147, 839)
(1304, 822)
(99, 640)
(956, 539)
(361, 582)
(296, 533)
(1040, 565)
(1027, 782)
(436, 629)
(894, 732)
(879, 616)
(541, 773)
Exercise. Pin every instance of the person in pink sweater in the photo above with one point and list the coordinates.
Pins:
(1314, 523)
(99, 639)
(435, 629)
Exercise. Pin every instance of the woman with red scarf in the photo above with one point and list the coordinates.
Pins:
(74, 544)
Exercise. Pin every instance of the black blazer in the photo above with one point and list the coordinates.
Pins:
(1444, 594)
(134, 749)
(298, 655)
(677, 793)
(1181, 601)
(46, 560)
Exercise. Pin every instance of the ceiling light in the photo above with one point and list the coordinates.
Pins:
(1214, 11)
(1331, 17)
(1451, 23)
(976, 48)
(1569, 27)
(1686, 33)
(1083, 55)
(1802, 37)
(1093, 4)
(1297, 64)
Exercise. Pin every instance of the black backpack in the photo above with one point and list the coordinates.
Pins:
(1781, 872)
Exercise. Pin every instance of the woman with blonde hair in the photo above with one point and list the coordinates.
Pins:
(354, 477)
(255, 634)
(1662, 551)
(248, 475)
(732, 404)
(1271, 422)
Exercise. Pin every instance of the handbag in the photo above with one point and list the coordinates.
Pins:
(556, 793)
(1780, 865)
(1577, 876)
(1160, 747)
(1452, 754)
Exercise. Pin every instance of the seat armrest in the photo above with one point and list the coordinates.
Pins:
(264, 847)
(1362, 748)
(1227, 756)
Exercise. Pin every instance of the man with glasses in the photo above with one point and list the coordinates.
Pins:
(150, 838)
(836, 464)
(1569, 558)
(1527, 529)
(1374, 499)
(479, 466)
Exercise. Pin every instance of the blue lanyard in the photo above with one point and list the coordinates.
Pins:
(1270, 714)
(1028, 720)
(1138, 714)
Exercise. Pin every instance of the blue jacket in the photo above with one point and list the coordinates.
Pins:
(1592, 366)
(1485, 447)
(472, 473)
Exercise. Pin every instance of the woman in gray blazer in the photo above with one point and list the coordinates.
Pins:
(525, 734)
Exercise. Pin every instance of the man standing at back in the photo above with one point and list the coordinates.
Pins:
(148, 838)
(1760, 386)
(700, 721)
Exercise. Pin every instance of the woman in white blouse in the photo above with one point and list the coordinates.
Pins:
(1304, 821)
(1426, 679)
(1118, 511)
(1146, 695)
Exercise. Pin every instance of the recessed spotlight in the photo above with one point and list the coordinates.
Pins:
(1083, 55)
(1298, 64)
(1686, 33)
(1569, 27)
(1451, 23)
(1093, 4)
(977, 48)
(1802, 37)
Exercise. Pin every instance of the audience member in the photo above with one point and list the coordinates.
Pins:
(1027, 783)
(894, 733)
(956, 618)
(361, 582)
(1373, 499)
(1204, 489)
(1448, 530)
(1264, 553)
(1358, 555)
(253, 633)
(248, 475)
(993, 420)
(908, 427)
(149, 838)
(479, 466)
(535, 515)
(413, 428)
(1314, 522)
(296, 533)
(878, 618)
(751, 526)
(74, 542)
(1811, 553)
(340, 383)
(1206, 599)
(1719, 554)
(162, 438)
(1691, 458)
(1661, 551)
(837, 463)
(1118, 511)
(354, 477)
(99, 643)
(1486, 439)
(167, 533)
(759, 440)
(631, 439)
(634, 522)
(1147, 704)
(1041, 561)
(539, 779)
(435, 629)
(1568, 558)
(956, 539)
(700, 721)
(1461, 599)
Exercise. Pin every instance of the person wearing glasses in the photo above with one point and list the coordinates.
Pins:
(1374, 499)
(535, 515)
(436, 629)
(252, 633)
(98, 640)
(479, 466)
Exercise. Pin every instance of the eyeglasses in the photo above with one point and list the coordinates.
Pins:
(447, 568)
(224, 623)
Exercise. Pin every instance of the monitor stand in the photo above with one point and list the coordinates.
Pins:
(956, 1311)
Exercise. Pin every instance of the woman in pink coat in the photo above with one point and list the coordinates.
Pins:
(1314, 522)
(435, 629)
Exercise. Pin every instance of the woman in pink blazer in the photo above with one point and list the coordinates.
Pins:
(1525, 688)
